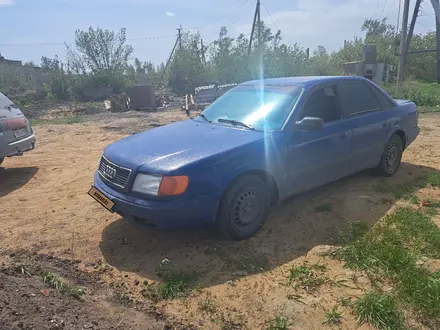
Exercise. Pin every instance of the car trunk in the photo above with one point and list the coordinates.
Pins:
(13, 124)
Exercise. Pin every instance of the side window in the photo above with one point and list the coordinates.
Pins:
(385, 103)
(321, 103)
(357, 98)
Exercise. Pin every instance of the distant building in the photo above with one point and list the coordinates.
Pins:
(3, 60)
(380, 73)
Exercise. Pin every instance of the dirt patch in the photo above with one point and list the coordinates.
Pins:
(235, 285)
(28, 303)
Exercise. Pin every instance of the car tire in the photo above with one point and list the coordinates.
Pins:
(243, 208)
(391, 157)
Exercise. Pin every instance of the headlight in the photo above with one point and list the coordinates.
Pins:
(160, 185)
(147, 184)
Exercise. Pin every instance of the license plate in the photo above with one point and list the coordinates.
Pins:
(101, 198)
(20, 133)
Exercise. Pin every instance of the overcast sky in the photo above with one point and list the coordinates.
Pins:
(30, 29)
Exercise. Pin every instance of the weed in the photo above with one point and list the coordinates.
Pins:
(251, 263)
(413, 198)
(431, 203)
(123, 298)
(380, 310)
(306, 276)
(402, 190)
(175, 284)
(53, 281)
(356, 229)
(332, 316)
(345, 302)
(324, 208)
(279, 323)
(208, 305)
(433, 179)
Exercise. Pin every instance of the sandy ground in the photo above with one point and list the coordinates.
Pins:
(45, 209)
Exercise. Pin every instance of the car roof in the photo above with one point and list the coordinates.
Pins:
(306, 82)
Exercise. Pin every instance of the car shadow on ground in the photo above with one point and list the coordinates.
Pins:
(13, 178)
(293, 228)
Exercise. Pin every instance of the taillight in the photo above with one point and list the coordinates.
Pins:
(16, 123)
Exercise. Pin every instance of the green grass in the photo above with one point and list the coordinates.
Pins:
(345, 302)
(433, 179)
(307, 277)
(356, 229)
(53, 281)
(175, 284)
(391, 251)
(422, 94)
(208, 305)
(58, 121)
(279, 323)
(332, 316)
(379, 310)
(403, 190)
(324, 208)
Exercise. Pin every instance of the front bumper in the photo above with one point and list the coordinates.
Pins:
(165, 214)
(17, 148)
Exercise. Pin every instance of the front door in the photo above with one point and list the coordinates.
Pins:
(318, 157)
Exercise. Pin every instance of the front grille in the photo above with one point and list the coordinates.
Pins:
(113, 173)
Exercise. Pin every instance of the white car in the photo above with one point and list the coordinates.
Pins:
(16, 134)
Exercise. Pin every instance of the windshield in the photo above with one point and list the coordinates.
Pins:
(263, 108)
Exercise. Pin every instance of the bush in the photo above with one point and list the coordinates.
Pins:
(420, 93)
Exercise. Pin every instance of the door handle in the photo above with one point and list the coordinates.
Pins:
(344, 135)
(384, 125)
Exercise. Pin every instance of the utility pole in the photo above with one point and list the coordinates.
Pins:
(203, 51)
(436, 5)
(410, 35)
(403, 35)
(178, 39)
(253, 29)
(179, 36)
(260, 49)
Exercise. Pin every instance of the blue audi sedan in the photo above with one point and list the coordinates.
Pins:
(256, 145)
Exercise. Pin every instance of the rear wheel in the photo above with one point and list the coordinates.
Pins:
(243, 208)
(391, 157)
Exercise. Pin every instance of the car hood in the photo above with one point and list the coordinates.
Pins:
(165, 149)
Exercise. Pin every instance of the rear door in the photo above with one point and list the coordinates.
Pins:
(365, 113)
(318, 157)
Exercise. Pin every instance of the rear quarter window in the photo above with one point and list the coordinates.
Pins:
(4, 101)
(384, 101)
(357, 98)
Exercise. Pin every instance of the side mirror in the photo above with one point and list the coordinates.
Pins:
(309, 124)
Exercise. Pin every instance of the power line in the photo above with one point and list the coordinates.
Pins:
(270, 16)
(238, 15)
(57, 43)
(238, 3)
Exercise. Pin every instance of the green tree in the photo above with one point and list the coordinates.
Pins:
(101, 56)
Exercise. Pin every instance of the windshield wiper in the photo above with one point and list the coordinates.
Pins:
(235, 122)
(204, 117)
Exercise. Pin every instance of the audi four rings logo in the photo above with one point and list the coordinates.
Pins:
(109, 172)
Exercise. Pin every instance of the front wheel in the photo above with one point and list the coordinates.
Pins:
(244, 208)
(391, 157)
